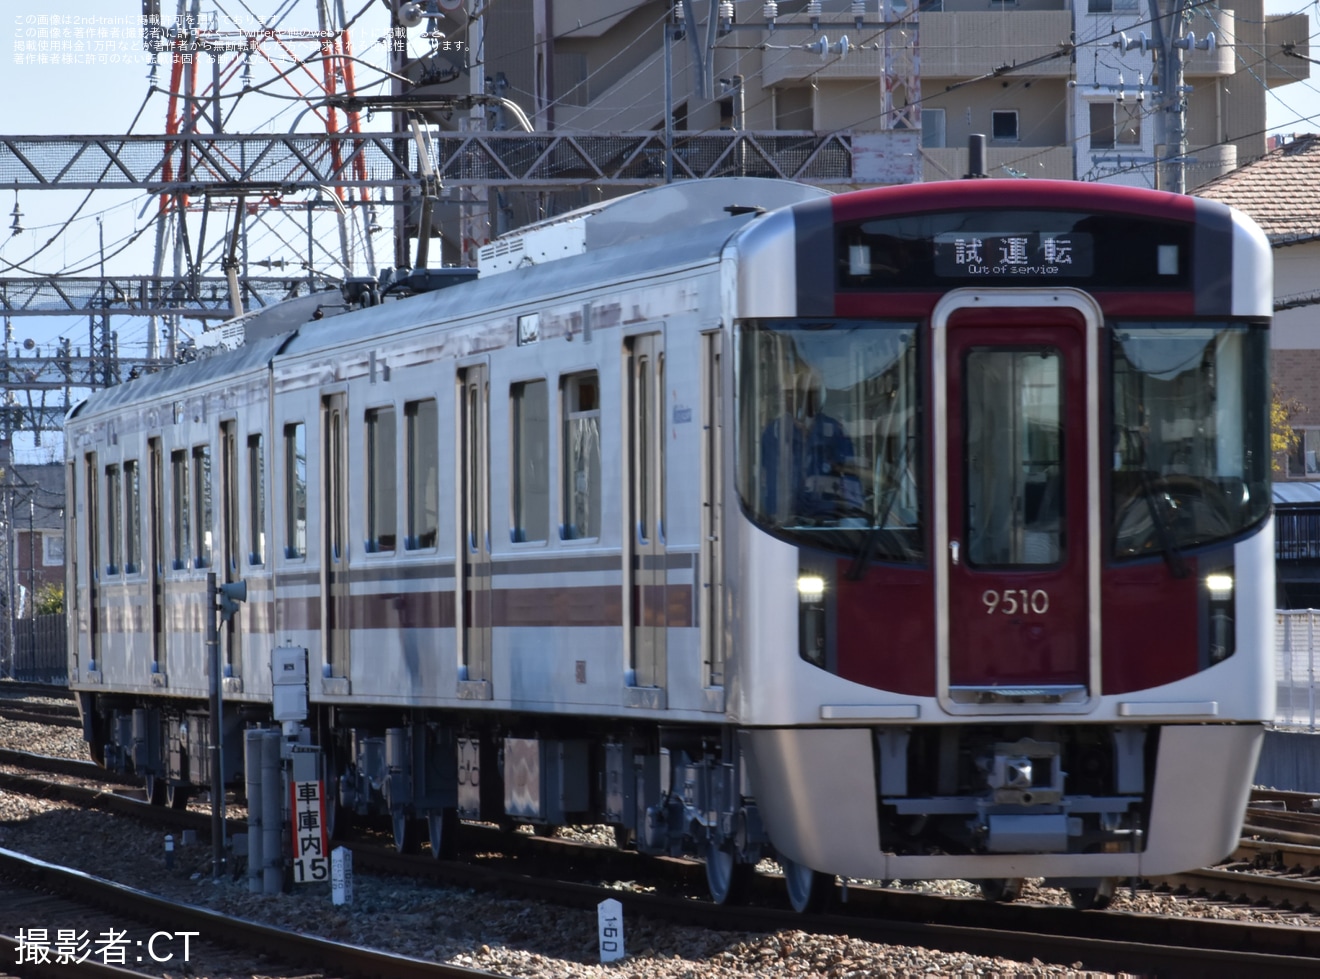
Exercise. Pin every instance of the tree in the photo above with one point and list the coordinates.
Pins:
(1283, 437)
(50, 600)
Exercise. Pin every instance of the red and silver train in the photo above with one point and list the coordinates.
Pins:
(917, 532)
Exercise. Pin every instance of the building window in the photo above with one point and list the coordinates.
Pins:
(132, 519)
(1115, 124)
(295, 490)
(256, 501)
(1004, 125)
(179, 508)
(52, 548)
(932, 128)
(1110, 6)
(581, 457)
(202, 502)
(1304, 459)
(421, 432)
(382, 516)
(531, 461)
(114, 525)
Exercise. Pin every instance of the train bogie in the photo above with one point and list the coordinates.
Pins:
(920, 532)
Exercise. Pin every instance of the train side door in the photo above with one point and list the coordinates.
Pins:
(1017, 500)
(646, 573)
(156, 545)
(712, 511)
(334, 515)
(230, 545)
(474, 516)
(92, 527)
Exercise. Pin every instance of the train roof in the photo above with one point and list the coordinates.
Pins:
(619, 241)
(576, 252)
(184, 377)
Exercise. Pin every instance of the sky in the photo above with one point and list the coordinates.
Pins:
(98, 84)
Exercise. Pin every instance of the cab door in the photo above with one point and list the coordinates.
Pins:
(1017, 500)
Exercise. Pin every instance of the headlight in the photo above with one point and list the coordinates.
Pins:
(811, 618)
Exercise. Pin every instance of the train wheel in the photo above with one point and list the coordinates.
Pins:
(407, 832)
(1092, 898)
(442, 827)
(1002, 889)
(155, 788)
(726, 878)
(808, 890)
(177, 796)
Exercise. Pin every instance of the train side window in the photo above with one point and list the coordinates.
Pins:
(114, 523)
(382, 515)
(202, 503)
(581, 457)
(179, 507)
(295, 490)
(421, 434)
(132, 519)
(256, 501)
(531, 461)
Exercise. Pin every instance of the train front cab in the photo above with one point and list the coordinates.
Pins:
(1028, 629)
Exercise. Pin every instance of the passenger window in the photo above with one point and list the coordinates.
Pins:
(114, 525)
(202, 501)
(423, 464)
(581, 457)
(382, 518)
(531, 461)
(256, 501)
(295, 490)
(132, 520)
(179, 507)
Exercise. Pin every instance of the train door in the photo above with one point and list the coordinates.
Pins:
(474, 516)
(92, 527)
(1017, 499)
(712, 512)
(334, 518)
(230, 541)
(646, 573)
(156, 549)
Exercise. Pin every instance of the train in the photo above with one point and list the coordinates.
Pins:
(912, 532)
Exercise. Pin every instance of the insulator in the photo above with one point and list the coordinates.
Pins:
(726, 11)
(770, 10)
(678, 12)
(813, 9)
(859, 8)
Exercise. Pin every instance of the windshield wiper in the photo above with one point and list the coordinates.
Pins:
(891, 473)
(1168, 546)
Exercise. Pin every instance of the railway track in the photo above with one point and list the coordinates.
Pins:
(568, 874)
(184, 934)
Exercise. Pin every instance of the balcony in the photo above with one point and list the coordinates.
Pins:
(966, 44)
(1038, 162)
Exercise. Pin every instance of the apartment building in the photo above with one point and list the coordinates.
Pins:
(1061, 88)
(1064, 89)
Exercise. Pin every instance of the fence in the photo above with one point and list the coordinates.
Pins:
(40, 654)
(1296, 633)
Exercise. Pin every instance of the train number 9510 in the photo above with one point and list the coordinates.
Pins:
(1017, 601)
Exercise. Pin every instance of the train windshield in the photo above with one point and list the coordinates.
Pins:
(1191, 434)
(829, 440)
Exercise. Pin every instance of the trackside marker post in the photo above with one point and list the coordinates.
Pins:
(609, 914)
(341, 875)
